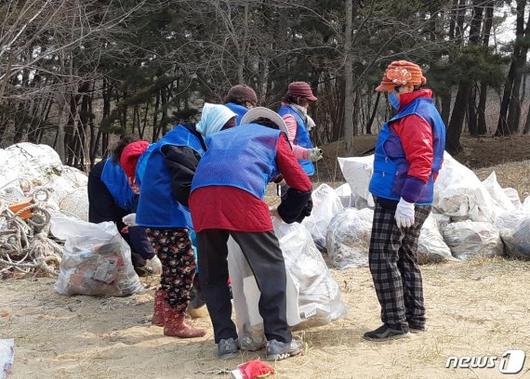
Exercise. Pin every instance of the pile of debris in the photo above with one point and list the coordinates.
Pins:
(470, 218)
(35, 187)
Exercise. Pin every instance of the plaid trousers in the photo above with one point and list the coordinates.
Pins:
(394, 266)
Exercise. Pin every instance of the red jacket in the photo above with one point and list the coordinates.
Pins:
(416, 138)
(230, 208)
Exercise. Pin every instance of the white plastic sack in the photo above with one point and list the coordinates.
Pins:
(345, 195)
(431, 245)
(75, 203)
(468, 239)
(26, 160)
(518, 241)
(348, 238)
(498, 195)
(526, 204)
(96, 260)
(358, 172)
(7, 356)
(508, 221)
(460, 194)
(326, 204)
(316, 297)
(513, 195)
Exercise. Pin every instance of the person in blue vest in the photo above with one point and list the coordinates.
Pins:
(110, 198)
(240, 99)
(168, 168)
(227, 200)
(294, 112)
(408, 157)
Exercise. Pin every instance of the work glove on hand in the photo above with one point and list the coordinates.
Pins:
(404, 214)
(315, 154)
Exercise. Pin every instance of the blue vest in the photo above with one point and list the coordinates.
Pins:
(157, 206)
(390, 166)
(117, 183)
(239, 110)
(243, 157)
(302, 136)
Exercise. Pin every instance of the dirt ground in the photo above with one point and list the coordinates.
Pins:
(474, 308)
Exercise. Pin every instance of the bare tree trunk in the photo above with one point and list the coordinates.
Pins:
(455, 127)
(348, 77)
(510, 112)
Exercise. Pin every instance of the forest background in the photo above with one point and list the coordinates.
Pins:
(75, 74)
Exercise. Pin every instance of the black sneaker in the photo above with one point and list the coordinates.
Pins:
(416, 328)
(384, 333)
(227, 348)
(276, 350)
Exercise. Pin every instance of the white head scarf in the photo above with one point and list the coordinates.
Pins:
(213, 118)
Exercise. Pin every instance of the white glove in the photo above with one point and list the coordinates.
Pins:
(130, 219)
(404, 214)
(315, 154)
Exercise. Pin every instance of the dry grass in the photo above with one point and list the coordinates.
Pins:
(478, 307)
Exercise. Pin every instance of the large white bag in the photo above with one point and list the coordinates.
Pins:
(431, 245)
(348, 238)
(468, 239)
(518, 241)
(358, 172)
(460, 194)
(313, 296)
(326, 204)
(96, 259)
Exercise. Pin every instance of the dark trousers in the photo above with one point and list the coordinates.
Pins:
(394, 266)
(265, 258)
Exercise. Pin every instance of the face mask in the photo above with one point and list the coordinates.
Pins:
(393, 99)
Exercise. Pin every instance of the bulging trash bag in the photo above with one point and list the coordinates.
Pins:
(518, 240)
(36, 162)
(460, 194)
(498, 195)
(345, 195)
(313, 296)
(513, 195)
(507, 221)
(358, 172)
(469, 239)
(348, 238)
(431, 245)
(96, 260)
(326, 204)
(75, 203)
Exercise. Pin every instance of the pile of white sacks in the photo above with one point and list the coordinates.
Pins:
(470, 218)
(25, 166)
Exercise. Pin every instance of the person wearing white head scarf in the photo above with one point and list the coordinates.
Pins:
(214, 118)
(163, 209)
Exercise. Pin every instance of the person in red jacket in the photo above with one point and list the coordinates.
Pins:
(227, 200)
(408, 156)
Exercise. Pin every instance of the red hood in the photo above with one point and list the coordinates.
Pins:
(406, 98)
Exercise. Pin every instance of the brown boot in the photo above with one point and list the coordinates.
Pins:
(160, 305)
(175, 326)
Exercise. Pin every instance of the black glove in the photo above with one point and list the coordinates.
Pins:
(295, 206)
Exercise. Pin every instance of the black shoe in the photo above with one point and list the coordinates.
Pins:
(384, 333)
(416, 328)
(228, 348)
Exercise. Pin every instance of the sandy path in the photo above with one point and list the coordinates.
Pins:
(473, 308)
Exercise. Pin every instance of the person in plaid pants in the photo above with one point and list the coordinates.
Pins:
(408, 156)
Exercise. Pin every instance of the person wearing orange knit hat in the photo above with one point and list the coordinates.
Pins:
(408, 156)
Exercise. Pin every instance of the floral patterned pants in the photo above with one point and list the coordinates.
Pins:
(173, 247)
